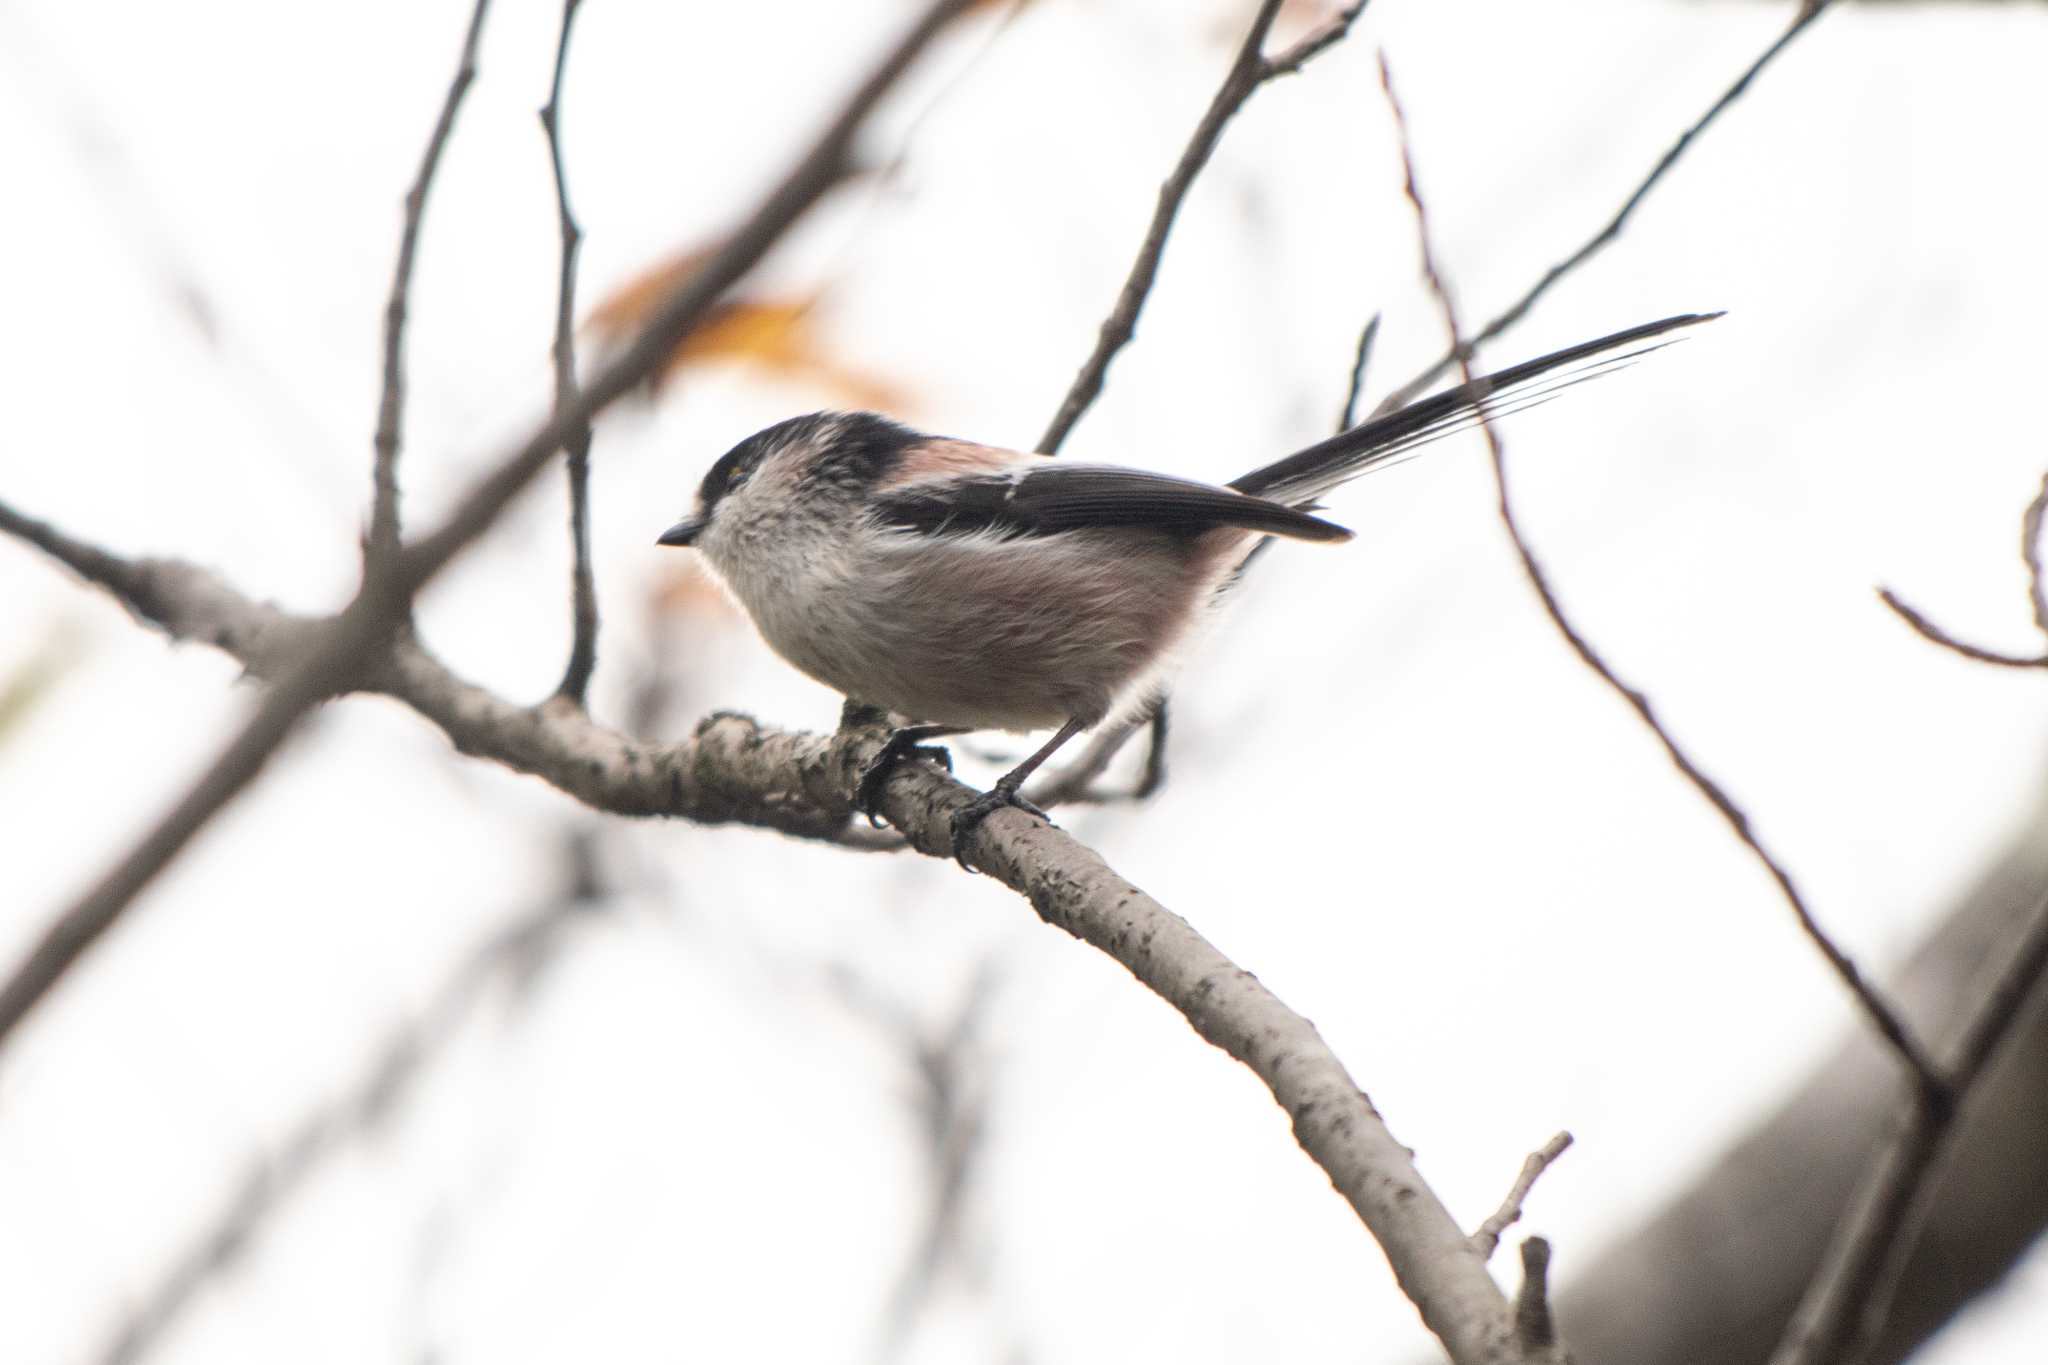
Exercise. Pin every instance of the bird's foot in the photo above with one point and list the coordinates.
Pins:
(968, 818)
(905, 743)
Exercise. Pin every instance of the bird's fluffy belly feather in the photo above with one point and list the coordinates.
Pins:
(987, 631)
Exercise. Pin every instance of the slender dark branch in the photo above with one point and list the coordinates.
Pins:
(1927, 628)
(332, 661)
(2037, 593)
(1348, 417)
(1850, 1298)
(1515, 312)
(2030, 552)
(1117, 329)
(1248, 71)
(1510, 1211)
(1882, 1014)
(1075, 783)
(383, 538)
(1325, 35)
(2000, 1004)
(1153, 775)
(582, 586)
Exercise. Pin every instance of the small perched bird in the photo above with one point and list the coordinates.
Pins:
(967, 587)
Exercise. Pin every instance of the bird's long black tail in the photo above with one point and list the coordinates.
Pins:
(1309, 473)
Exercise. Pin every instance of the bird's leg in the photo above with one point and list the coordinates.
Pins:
(905, 743)
(968, 818)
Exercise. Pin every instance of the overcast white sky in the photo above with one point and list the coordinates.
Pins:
(1394, 795)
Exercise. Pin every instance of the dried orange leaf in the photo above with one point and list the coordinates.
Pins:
(775, 334)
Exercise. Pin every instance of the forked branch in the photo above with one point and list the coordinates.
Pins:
(1249, 70)
(1882, 1014)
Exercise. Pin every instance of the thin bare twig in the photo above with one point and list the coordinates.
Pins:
(1937, 635)
(1248, 71)
(1883, 1016)
(1849, 1299)
(1153, 776)
(1311, 44)
(1348, 417)
(1461, 350)
(582, 586)
(343, 647)
(1074, 785)
(383, 538)
(1510, 1211)
(2037, 594)
(2030, 554)
(1846, 1305)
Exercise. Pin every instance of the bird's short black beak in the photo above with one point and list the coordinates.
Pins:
(682, 533)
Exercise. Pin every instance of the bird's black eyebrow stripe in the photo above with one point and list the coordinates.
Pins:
(1073, 497)
(719, 477)
(859, 447)
(863, 447)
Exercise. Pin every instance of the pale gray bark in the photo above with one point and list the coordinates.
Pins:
(735, 770)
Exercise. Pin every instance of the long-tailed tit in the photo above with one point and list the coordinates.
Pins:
(966, 587)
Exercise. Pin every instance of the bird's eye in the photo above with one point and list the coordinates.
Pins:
(740, 474)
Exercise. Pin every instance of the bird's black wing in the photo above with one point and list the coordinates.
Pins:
(1053, 498)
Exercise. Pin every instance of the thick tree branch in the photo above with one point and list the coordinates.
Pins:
(1461, 350)
(1249, 70)
(1718, 1270)
(735, 770)
(333, 660)
(1883, 1016)
(582, 587)
(383, 538)
(1849, 1302)
(1535, 1329)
